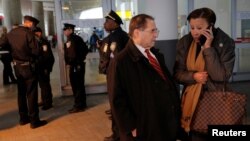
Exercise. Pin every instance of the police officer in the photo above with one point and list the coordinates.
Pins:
(75, 52)
(109, 48)
(25, 52)
(6, 58)
(45, 64)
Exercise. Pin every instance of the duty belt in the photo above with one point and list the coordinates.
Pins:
(21, 63)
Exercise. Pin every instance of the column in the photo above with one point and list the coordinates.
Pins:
(62, 66)
(38, 12)
(165, 14)
(49, 22)
(12, 13)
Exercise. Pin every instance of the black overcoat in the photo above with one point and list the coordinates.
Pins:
(141, 99)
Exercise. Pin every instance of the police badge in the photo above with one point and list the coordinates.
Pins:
(221, 45)
(113, 46)
(105, 48)
(45, 48)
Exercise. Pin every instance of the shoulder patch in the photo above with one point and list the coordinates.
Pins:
(113, 46)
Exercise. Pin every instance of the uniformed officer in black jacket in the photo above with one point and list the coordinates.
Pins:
(25, 53)
(75, 52)
(45, 64)
(6, 58)
(110, 46)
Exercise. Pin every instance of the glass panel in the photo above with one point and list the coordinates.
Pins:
(243, 21)
(85, 33)
(243, 35)
(81, 9)
(92, 76)
(244, 55)
(182, 18)
(126, 9)
(222, 9)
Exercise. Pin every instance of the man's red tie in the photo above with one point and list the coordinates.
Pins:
(155, 64)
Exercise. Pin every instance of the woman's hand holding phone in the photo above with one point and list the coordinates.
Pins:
(206, 37)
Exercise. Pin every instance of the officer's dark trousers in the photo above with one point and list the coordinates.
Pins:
(77, 77)
(27, 93)
(44, 83)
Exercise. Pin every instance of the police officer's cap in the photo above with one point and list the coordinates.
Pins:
(37, 29)
(32, 19)
(68, 26)
(113, 16)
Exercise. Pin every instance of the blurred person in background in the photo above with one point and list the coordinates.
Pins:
(6, 58)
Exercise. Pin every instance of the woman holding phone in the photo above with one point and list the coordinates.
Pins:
(204, 61)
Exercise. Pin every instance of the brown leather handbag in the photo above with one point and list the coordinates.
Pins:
(219, 108)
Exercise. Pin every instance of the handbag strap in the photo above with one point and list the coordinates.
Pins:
(224, 88)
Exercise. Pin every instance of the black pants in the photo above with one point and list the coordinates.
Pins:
(7, 72)
(92, 48)
(44, 83)
(77, 78)
(27, 93)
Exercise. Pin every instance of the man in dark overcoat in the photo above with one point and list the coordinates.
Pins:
(144, 99)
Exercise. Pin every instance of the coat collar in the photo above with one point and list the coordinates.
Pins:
(137, 56)
(116, 29)
(134, 52)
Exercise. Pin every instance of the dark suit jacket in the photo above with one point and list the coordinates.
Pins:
(141, 99)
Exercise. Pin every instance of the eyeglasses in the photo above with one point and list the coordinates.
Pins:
(152, 31)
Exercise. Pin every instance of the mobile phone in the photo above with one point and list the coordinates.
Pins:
(203, 38)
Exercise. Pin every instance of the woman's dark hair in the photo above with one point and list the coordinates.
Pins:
(138, 22)
(205, 13)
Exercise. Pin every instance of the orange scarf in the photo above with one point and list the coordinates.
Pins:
(192, 92)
